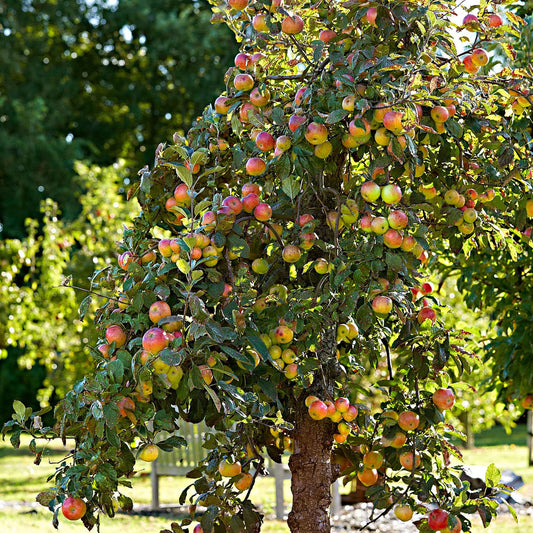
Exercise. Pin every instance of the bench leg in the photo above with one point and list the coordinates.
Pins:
(154, 479)
(278, 477)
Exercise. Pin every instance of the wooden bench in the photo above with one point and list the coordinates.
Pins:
(182, 460)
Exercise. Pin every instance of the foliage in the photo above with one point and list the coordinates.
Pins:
(234, 310)
(96, 81)
(39, 320)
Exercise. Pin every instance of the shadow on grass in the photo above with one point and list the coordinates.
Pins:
(496, 436)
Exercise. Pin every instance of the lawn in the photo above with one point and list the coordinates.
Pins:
(20, 480)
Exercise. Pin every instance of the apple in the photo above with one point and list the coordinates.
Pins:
(403, 512)
(406, 460)
(397, 219)
(443, 398)
(527, 402)
(124, 260)
(343, 428)
(73, 508)
(451, 197)
(234, 204)
(164, 247)
(259, 97)
(295, 121)
(212, 253)
(283, 335)
(495, 20)
(316, 133)
(349, 211)
(264, 141)
(103, 349)
(455, 529)
(222, 105)
(438, 519)
(116, 334)
(283, 143)
(371, 15)
(124, 405)
(250, 202)
(318, 410)
(392, 120)
(469, 21)
(245, 110)
(228, 469)
(292, 25)
(182, 196)
(321, 266)
(338, 438)
(529, 208)
(159, 310)
(479, 57)
(469, 65)
(155, 340)
(148, 257)
(149, 453)
(263, 212)
(366, 223)
(291, 253)
(391, 194)
(469, 215)
(392, 239)
(426, 315)
(243, 82)
(372, 460)
(291, 371)
(242, 61)
(408, 420)
(207, 374)
(370, 191)
(309, 400)
(198, 529)
(368, 476)
(351, 414)
(359, 128)
(382, 306)
(348, 103)
(342, 404)
(326, 35)
(244, 482)
(333, 221)
(255, 166)
(440, 114)
(323, 151)
(239, 5)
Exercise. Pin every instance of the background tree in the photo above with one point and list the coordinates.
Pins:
(280, 251)
(96, 81)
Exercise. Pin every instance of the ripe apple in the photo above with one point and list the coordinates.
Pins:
(321, 266)
(198, 529)
(264, 141)
(239, 5)
(371, 15)
(244, 482)
(155, 340)
(440, 114)
(291, 371)
(283, 143)
(159, 310)
(295, 121)
(469, 65)
(351, 414)
(379, 225)
(73, 508)
(259, 97)
(426, 316)
(495, 20)
(291, 253)
(382, 306)
(397, 219)
(455, 529)
(366, 223)
(124, 260)
(234, 204)
(406, 460)
(527, 402)
(529, 208)
(243, 82)
(263, 212)
(316, 133)
(392, 239)
(326, 35)
(318, 410)
(164, 247)
(479, 57)
(228, 469)
(392, 120)
(242, 61)
(438, 519)
(403, 512)
(182, 196)
(391, 194)
(283, 335)
(444, 398)
(372, 459)
(359, 128)
(149, 453)
(348, 103)
(255, 166)
(368, 477)
(469, 21)
(222, 105)
(292, 25)
(342, 404)
(116, 334)
(309, 400)
(370, 191)
(323, 151)
(408, 420)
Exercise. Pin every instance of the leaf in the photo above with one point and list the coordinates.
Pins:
(218, 333)
(183, 266)
(492, 476)
(84, 306)
(259, 345)
(238, 246)
(212, 394)
(20, 409)
(291, 187)
(336, 116)
(184, 174)
(209, 517)
(175, 441)
(44, 498)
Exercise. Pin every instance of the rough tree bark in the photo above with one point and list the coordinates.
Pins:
(310, 464)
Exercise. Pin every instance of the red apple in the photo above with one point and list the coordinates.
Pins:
(440, 114)
(73, 508)
(228, 469)
(326, 35)
(444, 398)
(243, 82)
(264, 141)
(438, 519)
(495, 20)
(250, 202)
(115, 334)
(382, 305)
(372, 460)
(292, 25)
(426, 314)
(249, 187)
(479, 57)
(234, 204)
(159, 310)
(371, 15)
(318, 410)
(392, 120)
(259, 97)
(242, 61)
(182, 195)
(391, 194)
(368, 477)
(263, 212)
(397, 219)
(255, 166)
(295, 121)
(408, 420)
(222, 105)
(406, 460)
(155, 340)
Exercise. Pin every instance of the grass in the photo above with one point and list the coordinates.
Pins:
(21, 480)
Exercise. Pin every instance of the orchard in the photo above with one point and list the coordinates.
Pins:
(274, 283)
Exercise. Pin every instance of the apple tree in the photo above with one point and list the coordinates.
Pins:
(273, 284)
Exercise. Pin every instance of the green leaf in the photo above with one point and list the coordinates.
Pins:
(175, 441)
(291, 187)
(492, 476)
(184, 174)
(20, 410)
(208, 518)
(336, 116)
(259, 345)
(84, 306)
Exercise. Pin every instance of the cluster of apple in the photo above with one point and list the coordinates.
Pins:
(284, 355)
(339, 411)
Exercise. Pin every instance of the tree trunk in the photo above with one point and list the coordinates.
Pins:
(312, 475)
(310, 464)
